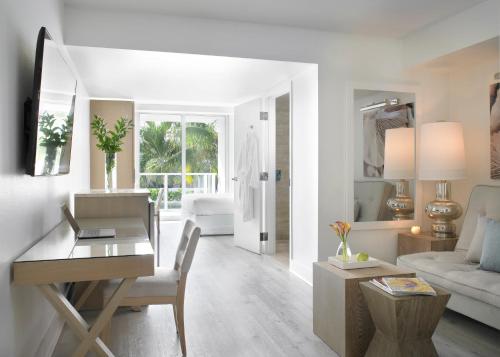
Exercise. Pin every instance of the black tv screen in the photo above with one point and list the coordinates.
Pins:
(49, 115)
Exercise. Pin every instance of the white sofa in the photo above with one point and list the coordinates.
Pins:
(370, 201)
(474, 292)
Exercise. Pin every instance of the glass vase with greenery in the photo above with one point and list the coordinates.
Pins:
(53, 137)
(110, 141)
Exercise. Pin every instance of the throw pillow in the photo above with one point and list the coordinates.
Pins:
(490, 257)
(476, 246)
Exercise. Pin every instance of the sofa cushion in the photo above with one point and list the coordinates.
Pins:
(476, 245)
(490, 257)
(372, 197)
(452, 271)
(483, 200)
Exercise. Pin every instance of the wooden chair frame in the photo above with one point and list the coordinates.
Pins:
(176, 301)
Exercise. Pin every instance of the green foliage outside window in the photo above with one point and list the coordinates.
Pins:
(161, 147)
(161, 152)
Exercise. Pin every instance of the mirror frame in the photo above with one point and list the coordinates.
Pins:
(349, 166)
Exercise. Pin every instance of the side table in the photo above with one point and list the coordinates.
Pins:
(340, 315)
(404, 324)
(409, 243)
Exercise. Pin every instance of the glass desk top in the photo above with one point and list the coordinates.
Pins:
(59, 244)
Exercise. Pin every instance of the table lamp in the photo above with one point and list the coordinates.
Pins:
(399, 164)
(442, 158)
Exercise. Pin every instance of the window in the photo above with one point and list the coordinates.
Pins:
(181, 153)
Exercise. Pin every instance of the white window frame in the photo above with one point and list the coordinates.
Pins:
(222, 144)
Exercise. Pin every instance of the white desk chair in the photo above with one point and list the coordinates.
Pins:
(167, 286)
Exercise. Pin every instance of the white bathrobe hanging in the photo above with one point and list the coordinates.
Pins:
(248, 172)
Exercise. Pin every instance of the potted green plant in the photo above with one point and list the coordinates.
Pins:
(110, 142)
(53, 137)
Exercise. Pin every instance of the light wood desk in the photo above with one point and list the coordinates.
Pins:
(58, 258)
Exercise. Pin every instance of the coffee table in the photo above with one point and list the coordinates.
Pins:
(340, 315)
(404, 324)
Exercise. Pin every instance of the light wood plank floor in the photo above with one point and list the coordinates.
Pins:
(283, 252)
(243, 304)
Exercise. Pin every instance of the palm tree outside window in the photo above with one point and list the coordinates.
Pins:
(180, 153)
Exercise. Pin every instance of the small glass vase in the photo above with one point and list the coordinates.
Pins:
(50, 158)
(344, 251)
(110, 167)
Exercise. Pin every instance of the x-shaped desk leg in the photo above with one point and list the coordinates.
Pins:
(88, 335)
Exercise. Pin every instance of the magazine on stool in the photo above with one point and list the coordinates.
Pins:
(404, 286)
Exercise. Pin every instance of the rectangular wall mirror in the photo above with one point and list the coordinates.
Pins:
(383, 156)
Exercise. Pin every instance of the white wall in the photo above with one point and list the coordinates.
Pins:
(30, 206)
(461, 93)
(467, 28)
(340, 58)
(182, 108)
(304, 173)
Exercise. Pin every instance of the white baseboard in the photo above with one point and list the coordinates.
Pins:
(51, 337)
(302, 271)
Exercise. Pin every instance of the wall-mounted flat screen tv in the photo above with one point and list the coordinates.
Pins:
(49, 114)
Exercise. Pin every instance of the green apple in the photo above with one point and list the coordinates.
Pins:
(362, 257)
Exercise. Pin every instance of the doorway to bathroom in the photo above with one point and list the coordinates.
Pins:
(282, 177)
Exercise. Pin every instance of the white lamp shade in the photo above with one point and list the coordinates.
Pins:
(399, 153)
(442, 151)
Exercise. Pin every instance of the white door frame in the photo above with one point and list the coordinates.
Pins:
(270, 197)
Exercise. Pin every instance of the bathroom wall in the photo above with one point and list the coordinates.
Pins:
(283, 164)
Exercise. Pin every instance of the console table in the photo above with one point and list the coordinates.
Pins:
(116, 203)
(59, 258)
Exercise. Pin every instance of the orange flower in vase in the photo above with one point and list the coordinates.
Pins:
(342, 229)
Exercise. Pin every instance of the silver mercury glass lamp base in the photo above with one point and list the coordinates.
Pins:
(402, 205)
(443, 211)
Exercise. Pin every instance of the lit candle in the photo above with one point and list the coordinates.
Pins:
(415, 230)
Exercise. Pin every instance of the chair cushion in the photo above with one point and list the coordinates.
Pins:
(452, 271)
(490, 257)
(163, 283)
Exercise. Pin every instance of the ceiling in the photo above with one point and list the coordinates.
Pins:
(164, 77)
(387, 18)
